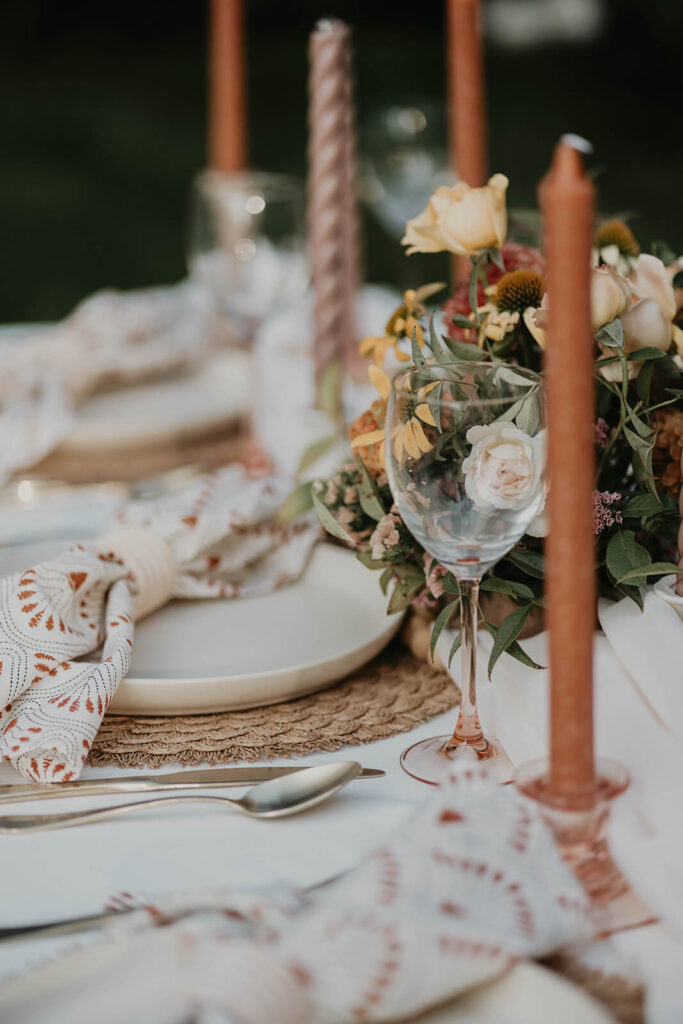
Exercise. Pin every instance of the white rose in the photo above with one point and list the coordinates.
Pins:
(505, 467)
(461, 220)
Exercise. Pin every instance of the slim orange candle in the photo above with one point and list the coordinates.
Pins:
(467, 113)
(568, 203)
(227, 103)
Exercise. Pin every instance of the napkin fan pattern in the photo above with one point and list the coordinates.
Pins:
(218, 538)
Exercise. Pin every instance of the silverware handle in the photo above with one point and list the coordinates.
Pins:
(13, 824)
(72, 926)
(56, 790)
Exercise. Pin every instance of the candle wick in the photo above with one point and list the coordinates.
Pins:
(577, 142)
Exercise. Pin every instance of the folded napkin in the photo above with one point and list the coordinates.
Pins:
(639, 723)
(471, 883)
(111, 338)
(218, 538)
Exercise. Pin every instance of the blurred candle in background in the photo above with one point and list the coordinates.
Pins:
(331, 199)
(466, 103)
(568, 204)
(227, 90)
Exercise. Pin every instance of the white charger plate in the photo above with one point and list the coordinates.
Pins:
(106, 983)
(194, 657)
(210, 396)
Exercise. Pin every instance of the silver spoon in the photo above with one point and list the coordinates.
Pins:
(277, 798)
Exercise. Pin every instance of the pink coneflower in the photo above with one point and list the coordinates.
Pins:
(604, 512)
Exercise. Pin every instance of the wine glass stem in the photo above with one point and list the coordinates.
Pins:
(468, 730)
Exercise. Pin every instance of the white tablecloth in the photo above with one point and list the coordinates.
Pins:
(202, 847)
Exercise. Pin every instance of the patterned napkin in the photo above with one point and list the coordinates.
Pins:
(472, 883)
(218, 538)
(111, 338)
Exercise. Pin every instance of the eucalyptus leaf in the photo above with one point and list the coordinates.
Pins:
(624, 554)
(374, 564)
(506, 634)
(641, 505)
(298, 503)
(516, 651)
(530, 562)
(386, 578)
(455, 647)
(401, 596)
(510, 587)
(440, 623)
(611, 335)
(368, 494)
(434, 343)
(639, 576)
(315, 451)
(642, 355)
(463, 322)
(328, 521)
(463, 349)
(434, 403)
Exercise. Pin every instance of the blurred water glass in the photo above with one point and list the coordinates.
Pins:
(247, 242)
(404, 160)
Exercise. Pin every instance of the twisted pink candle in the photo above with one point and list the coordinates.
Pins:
(331, 199)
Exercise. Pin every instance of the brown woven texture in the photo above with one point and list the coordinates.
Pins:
(392, 694)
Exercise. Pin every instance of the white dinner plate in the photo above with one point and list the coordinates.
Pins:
(210, 396)
(200, 656)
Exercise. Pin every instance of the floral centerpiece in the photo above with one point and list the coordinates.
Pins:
(499, 313)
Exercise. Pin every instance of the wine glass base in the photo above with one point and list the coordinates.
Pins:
(431, 760)
(580, 828)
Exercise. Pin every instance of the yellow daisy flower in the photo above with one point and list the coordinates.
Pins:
(408, 437)
(377, 348)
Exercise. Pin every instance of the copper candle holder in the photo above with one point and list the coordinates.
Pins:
(578, 820)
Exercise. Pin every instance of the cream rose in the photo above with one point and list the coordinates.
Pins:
(650, 280)
(505, 467)
(462, 220)
(610, 296)
(645, 325)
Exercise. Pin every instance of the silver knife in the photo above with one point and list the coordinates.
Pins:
(201, 778)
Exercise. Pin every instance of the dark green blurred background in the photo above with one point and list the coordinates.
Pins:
(102, 123)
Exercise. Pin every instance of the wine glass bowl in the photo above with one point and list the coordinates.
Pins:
(247, 242)
(465, 458)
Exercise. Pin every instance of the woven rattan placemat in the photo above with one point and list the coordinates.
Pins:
(392, 694)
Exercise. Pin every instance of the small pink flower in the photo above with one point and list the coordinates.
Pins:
(604, 513)
(434, 574)
(385, 535)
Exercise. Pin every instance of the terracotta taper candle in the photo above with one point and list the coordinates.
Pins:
(227, 90)
(568, 204)
(330, 194)
(467, 110)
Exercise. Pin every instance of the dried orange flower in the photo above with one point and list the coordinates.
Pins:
(668, 449)
(369, 421)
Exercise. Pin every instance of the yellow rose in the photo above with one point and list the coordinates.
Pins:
(610, 296)
(461, 220)
(650, 280)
